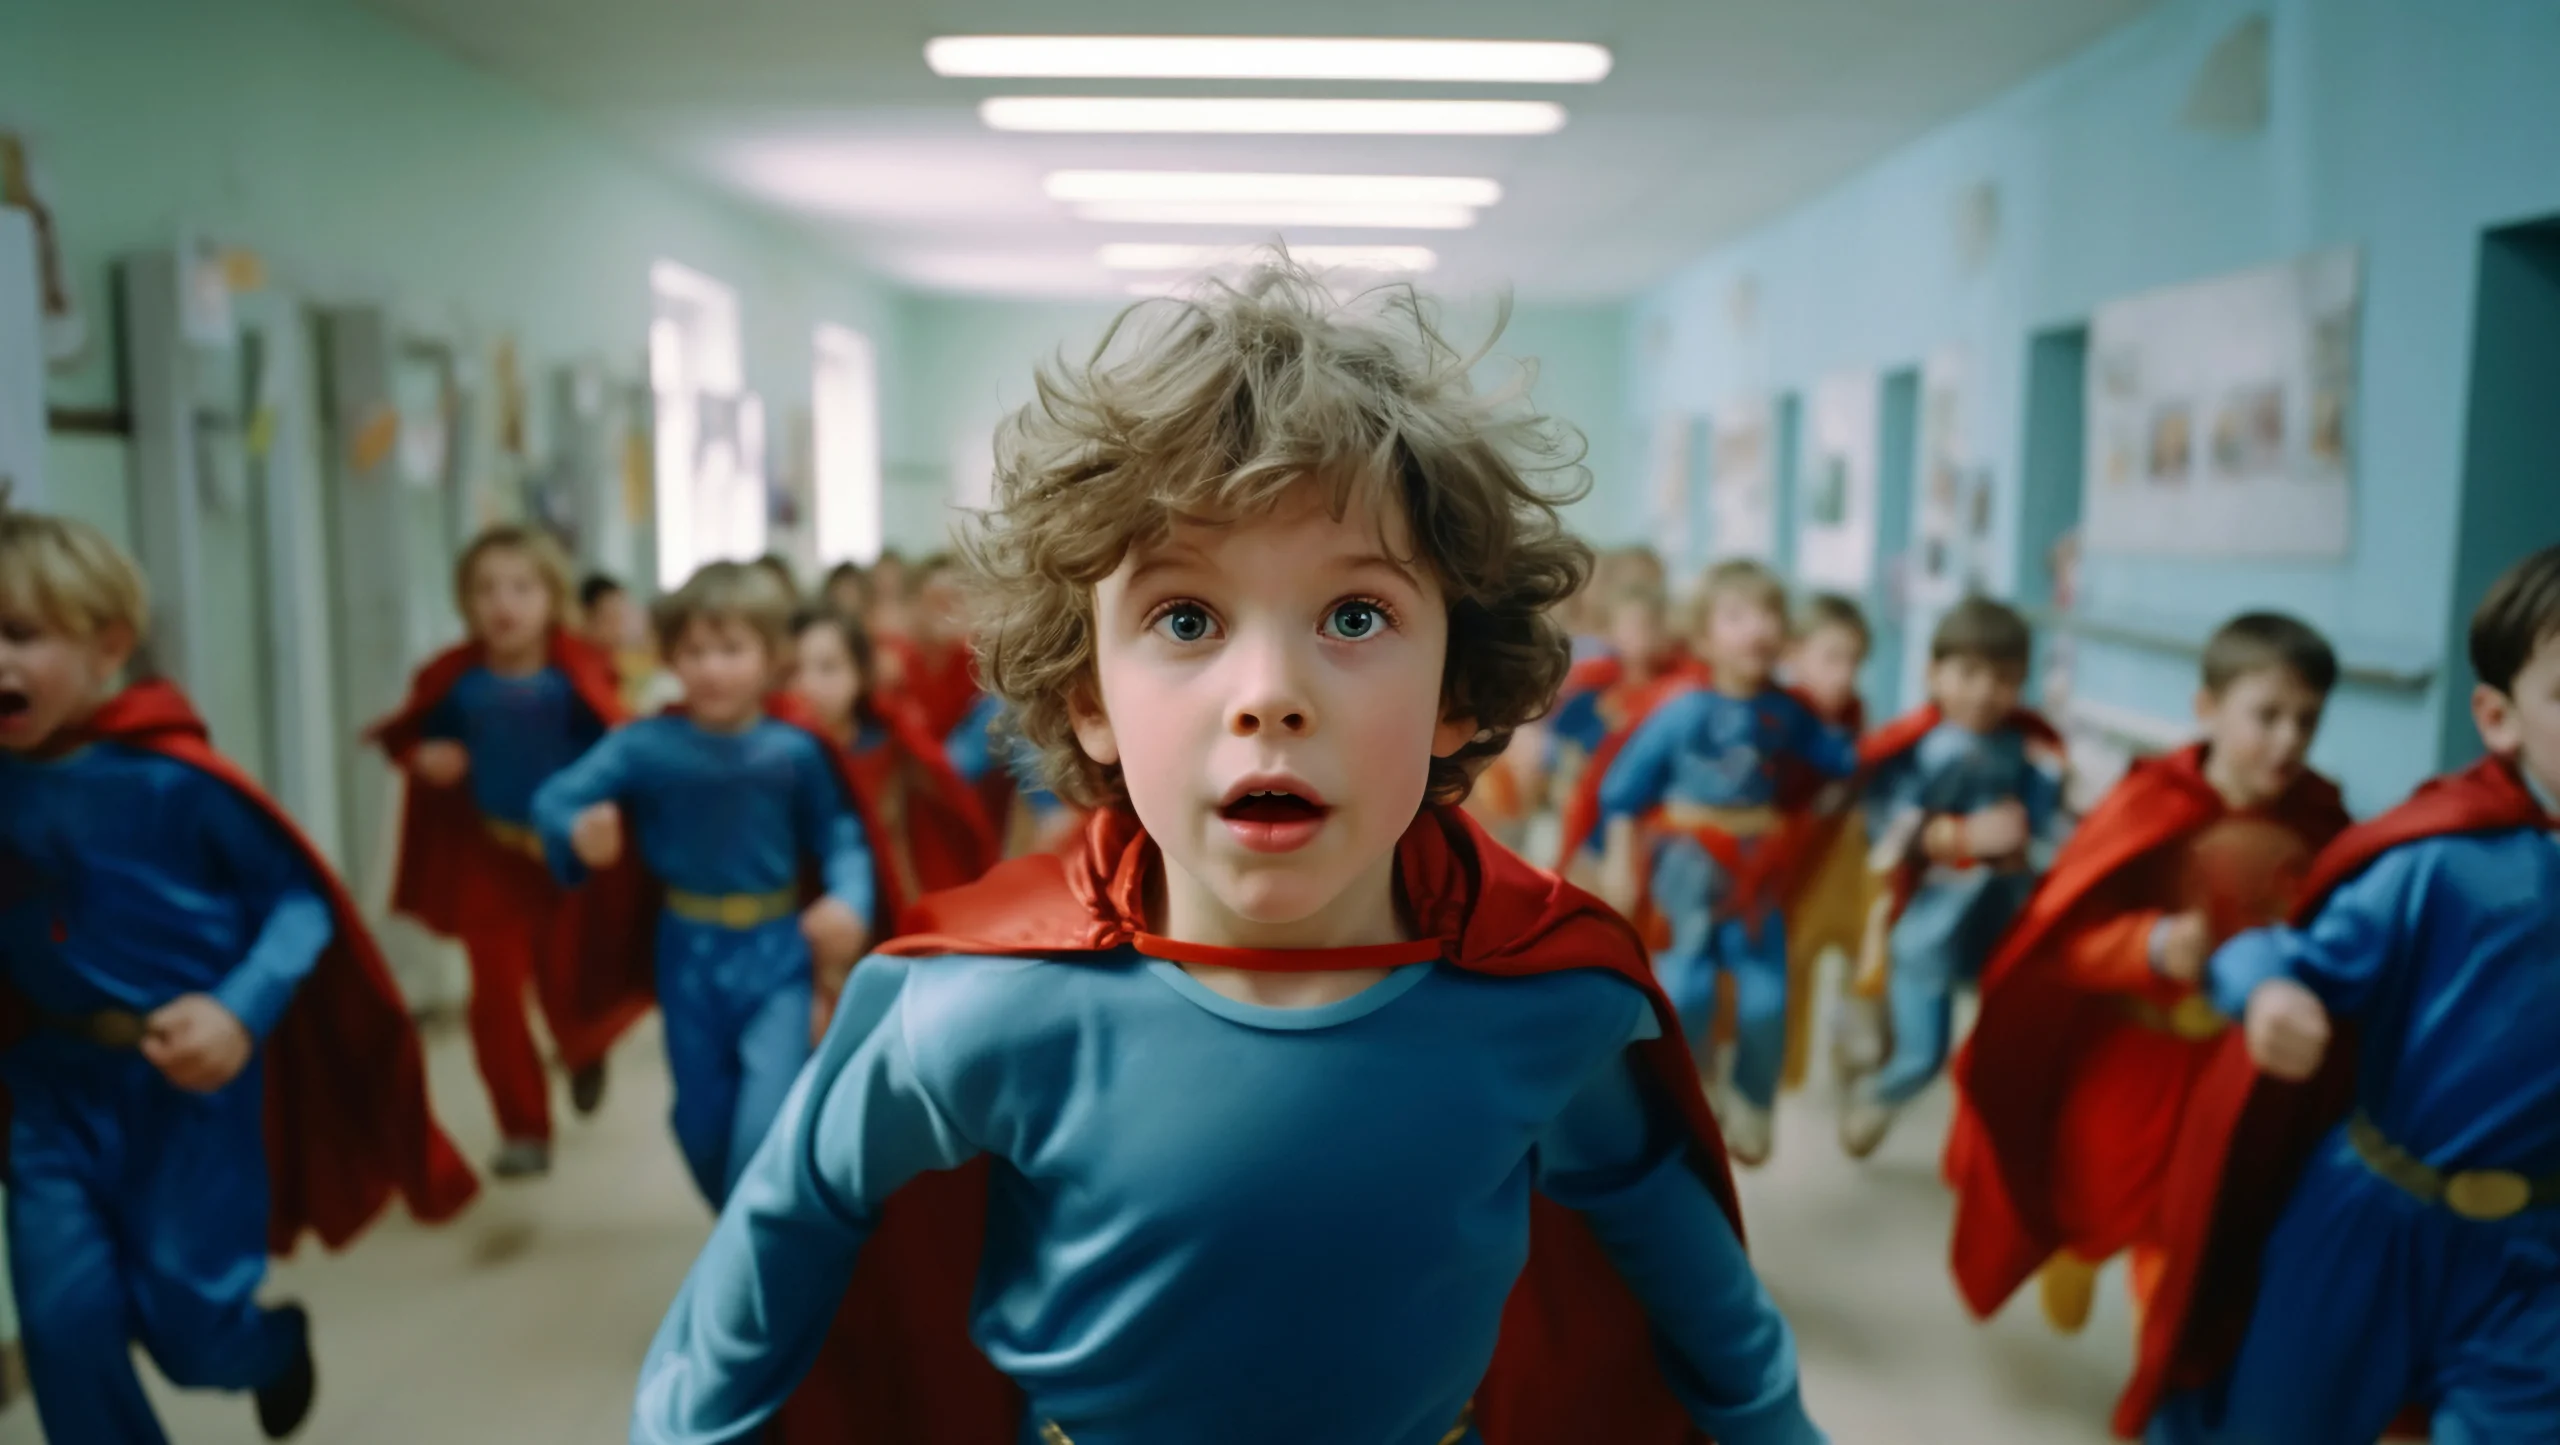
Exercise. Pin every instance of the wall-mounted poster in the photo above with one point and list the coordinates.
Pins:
(1742, 490)
(1669, 510)
(1836, 486)
(2220, 412)
(1951, 516)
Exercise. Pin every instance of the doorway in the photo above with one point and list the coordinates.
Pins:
(1888, 596)
(2049, 496)
(2510, 499)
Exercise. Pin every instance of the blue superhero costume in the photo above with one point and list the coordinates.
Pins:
(2415, 1259)
(1191, 1207)
(1704, 772)
(724, 822)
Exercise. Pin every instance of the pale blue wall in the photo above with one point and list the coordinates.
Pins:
(969, 362)
(366, 165)
(2402, 129)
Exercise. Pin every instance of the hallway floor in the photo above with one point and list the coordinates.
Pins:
(525, 1321)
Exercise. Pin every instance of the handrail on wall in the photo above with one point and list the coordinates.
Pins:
(2377, 676)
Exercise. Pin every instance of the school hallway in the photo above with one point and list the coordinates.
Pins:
(525, 1320)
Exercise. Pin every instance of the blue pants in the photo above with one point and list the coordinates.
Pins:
(1940, 942)
(2371, 1301)
(1689, 888)
(137, 1212)
(737, 1006)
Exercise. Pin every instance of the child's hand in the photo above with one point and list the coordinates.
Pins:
(2186, 945)
(197, 1043)
(597, 836)
(1999, 831)
(440, 764)
(2288, 1030)
(836, 940)
(822, 1012)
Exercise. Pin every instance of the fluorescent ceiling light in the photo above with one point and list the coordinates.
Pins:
(1208, 186)
(1131, 114)
(1278, 213)
(1169, 57)
(1148, 256)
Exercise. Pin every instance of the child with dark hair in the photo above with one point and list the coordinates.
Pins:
(1964, 803)
(2094, 1035)
(2370, 1177)
(1293, 1108)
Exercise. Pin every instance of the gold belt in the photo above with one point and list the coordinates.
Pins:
(1739, 822)
(112, 1028)
(1051, 1434)
(514, 837)
(2191, 1019)
(2485, 1195)
(739, 911)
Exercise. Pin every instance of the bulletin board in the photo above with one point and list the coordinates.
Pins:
(1836, 490)
(1742, 492)
(2221, 413)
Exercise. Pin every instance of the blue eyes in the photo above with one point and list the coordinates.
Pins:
(1184, 622)
(1357, 620)
(1353, 621)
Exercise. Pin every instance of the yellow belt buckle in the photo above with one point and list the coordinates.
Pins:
(2487, 1195)
(118, 1029)
(740, 911)
(2195, 1019)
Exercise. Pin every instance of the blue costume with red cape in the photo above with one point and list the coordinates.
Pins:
(2309, 1296)
(138, 1210)
(1373, 1225)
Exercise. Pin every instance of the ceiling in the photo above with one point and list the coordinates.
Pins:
(1718, 114)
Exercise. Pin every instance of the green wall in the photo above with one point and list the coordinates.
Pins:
(969, 362)
(365, 165)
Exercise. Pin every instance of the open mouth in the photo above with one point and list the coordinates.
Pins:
(1274, 815)
(14, 703)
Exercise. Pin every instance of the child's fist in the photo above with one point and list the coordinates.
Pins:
(597, 836)
(2288, 1030)
(1999, 831)
(836, 939)
(2186, 945)
(197, 1043)
(441, 764)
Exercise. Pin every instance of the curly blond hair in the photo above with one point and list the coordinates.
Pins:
(65, 574)
(1210, 409)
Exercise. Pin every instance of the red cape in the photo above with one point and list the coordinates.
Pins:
(2247, 1137)
(2036, 1025)
(942, 682)
(585, 975)
(943, 828)
(1575, 1361)
(347, 1121)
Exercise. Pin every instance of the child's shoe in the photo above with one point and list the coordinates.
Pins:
(1864, 1121)
(2069, 1285)
(586, 1089)
(285, 1402)
(522, 1159)
(1746, 1131)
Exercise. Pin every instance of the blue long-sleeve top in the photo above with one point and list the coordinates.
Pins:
(518, 731)
(2445, 953)
(128, 879)
(1707, 749)
(715, 813)
(1955, 770)
(1198, 1206)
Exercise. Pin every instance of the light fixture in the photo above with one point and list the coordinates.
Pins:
(1220, 116)
(1202, 57)
(1150, 256)
(1232, 186)
(1282, 214)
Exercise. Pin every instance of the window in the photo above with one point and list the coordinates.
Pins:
(847, 419)
(711, 500)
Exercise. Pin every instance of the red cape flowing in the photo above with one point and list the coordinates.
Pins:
(942, 682)
(2036, 1025)
(347, 1121)
(942, 825)
(2247, 1137)
(584, 975)
(1575, 1361)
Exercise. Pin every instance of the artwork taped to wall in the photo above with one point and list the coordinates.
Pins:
(1836, 486)
(1953, 514)
(2220, 413)
(22, 188)
(1742, 489)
